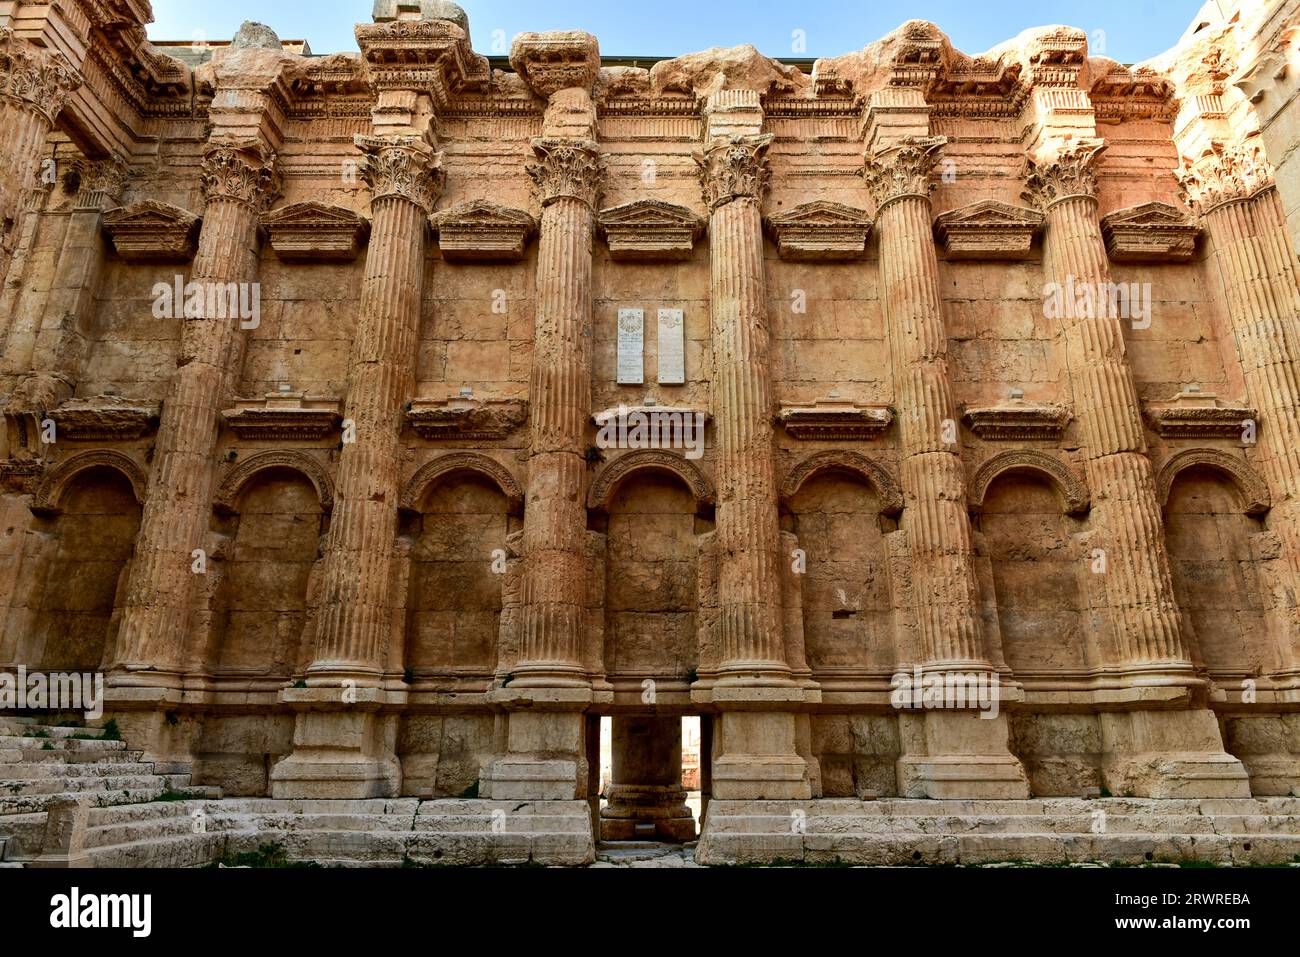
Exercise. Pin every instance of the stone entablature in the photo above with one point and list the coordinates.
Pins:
(1018, 420)
(1193, 414)
(150, 231)
(104, 419)
(650, 230)
(1149, 233)
(315, 232)
(465, 419)
(284, 416)
(988, 230)
(480, 231)
(833, 420)
(820, 232)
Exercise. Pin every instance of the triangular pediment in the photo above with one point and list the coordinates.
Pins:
(1148, 214)
(990, 212)
(822, 213)
(480, 212)
(311, 214)
(648, 212)
(149, 213)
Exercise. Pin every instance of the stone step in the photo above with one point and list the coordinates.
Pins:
(44, 770)
(99, 784)
(39, 802)
(183, 850)
(25, 725)
(60, 742)
(1054, 824)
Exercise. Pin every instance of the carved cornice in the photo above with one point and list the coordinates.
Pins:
(432, 55)
(241, 173)
(564, 168)
(1018, 421)
(735, 167)
(103, 419)
(458, 418)
(820, 231)
(550, 62)
(902, 170)
(1071, 172)
(480, 231)
(825, 421)
(33, 77)
(284, 416)
(988, 230)
(649, 229)
(149, 231)
(1224, 173)
(403, 166)
(1197, 415)
(1149, 233)
(315, 232)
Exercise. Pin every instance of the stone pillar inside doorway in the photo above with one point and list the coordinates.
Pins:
(646, 798)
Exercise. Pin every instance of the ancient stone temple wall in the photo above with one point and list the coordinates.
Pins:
(926, 422)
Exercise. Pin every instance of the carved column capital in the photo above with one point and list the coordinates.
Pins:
(102, 182)
(903, 169)
(39, 79)
(1070, 172)
(243, 172)
(572, 168)
(1224, 173)
(734, 167)
(402, 166)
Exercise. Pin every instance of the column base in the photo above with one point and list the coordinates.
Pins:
(958, 754)
(545, 759)
(1169, 754)
(345, 755)
(148, 722)
(756, 758)
(646, 812)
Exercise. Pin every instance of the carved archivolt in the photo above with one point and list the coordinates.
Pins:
(49, 493)
(656, 460)
(233, 484)
(1071, 485)
(855, 463)
(431, 472)
(1254, 490)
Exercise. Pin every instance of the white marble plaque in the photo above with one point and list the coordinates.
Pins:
(672, 347)
(631, 346)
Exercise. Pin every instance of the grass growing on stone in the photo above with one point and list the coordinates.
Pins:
(170, 795)
(266, 856)
(110, 731)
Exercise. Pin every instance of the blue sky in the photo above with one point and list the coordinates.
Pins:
(1130, 30)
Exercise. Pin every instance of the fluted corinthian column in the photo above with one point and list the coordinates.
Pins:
(1125, 516)
(405, 176)
(751, 639)
(34, 84)
(937, 523)
(238, 181)
(566, 175)
(1233, 190)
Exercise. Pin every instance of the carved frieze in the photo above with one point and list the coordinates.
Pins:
(315, 232)
(820, 231)
(480, 231)
(104, 419)
(1192, 414)
(1149, 233)
(566, 169)
(284, 416)
(149, 231)
(1018, 420)
(903, 169)
(830, 420)
(988, 230)
(402, 166)
(466, 418)
(649, 229)
(38, 78)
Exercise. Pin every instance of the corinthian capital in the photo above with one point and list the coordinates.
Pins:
(102, 182)
(734, 167)
(242, 172)
(571, 168)
(39, 79)
(403, 166)
(903, 169)
(1224, 173)
(1070, 172)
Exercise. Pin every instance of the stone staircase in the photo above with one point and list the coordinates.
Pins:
(900, 831)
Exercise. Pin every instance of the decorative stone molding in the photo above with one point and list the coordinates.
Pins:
(735, 167)
(104, 419)
(648, 230)
(226, 499)
(18, 476)
(453, 462)
(612, 475)
(831, 420)
(1018, 420)
(1223, 173)
(550, 62)
(605, 416)
(48, 497)
(403, 166)
(100, 182)
(1197, 415)
(480, 231)
(284, 416)
(1073, 488)
(1254, 490)
(903, 169)
(820, 231)
(1071, 172)
(241, 172)
(1149, 233)
(433, 54)
(872, 472)
(315, 232)
(34, 77)
(466, 418)
(150, 231)
(566, 168)
(988, 230)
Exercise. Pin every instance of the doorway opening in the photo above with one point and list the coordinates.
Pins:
(653, 777)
